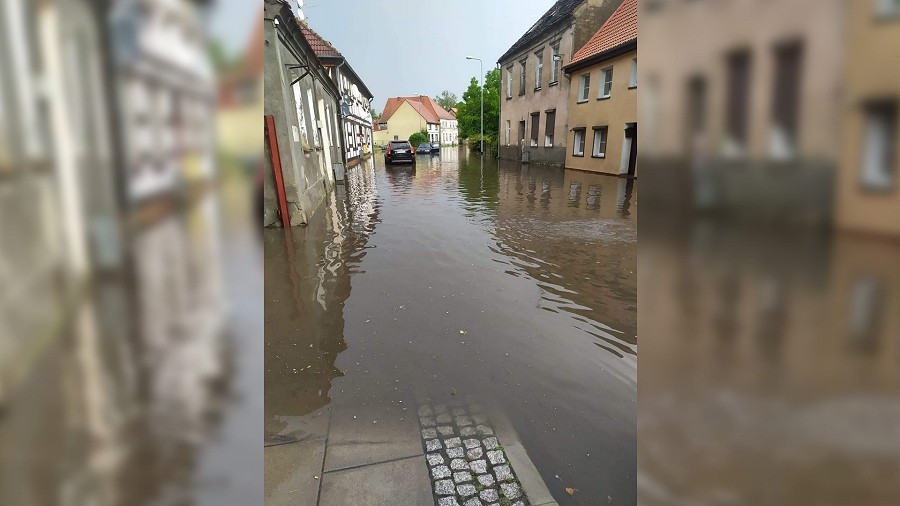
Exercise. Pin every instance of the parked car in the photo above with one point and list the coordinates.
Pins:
(424, 148)
(435, 148)
(399, 151)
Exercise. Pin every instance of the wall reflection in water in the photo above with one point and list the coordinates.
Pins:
(770, 368)
(307, 276)
(118, 411)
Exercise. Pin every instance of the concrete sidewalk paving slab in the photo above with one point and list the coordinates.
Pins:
(293, 472)
(370, 439)
(397, 483)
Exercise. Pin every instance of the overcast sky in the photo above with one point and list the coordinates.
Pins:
(403, 47)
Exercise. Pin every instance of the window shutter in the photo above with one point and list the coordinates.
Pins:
(551, 123)
(535, 119)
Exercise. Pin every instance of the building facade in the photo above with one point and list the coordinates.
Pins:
(404, 116)
(303, 103)
(602, 135)
(167, 96)
(868, 198)
(356, 99)
(535, 92)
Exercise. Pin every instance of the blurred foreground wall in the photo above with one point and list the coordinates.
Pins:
(115, 366)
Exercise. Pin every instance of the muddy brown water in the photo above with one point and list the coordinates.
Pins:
(501, 283)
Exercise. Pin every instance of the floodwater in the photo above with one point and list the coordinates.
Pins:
(150, 395)
(501, 283)
(770, 367)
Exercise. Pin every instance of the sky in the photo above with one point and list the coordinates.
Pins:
(403, 47)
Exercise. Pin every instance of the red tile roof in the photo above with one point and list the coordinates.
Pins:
(619, 29)
(320, 46)
(430, 110)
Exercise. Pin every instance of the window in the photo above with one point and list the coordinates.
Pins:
(550, 128)
(584, 87)
(696, 108)
(600, 135)
(889, 8)
(557, 60)
(737, 113)
(879, 145)
(786, 98)
(632, 82)
(508, 127)
(522, 77)
(539, 70)
(535, 124)
(606, 82)
(509, 79)
(578, 145)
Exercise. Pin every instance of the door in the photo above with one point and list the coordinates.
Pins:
(629, 151)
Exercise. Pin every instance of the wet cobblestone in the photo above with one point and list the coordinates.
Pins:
(463, 446)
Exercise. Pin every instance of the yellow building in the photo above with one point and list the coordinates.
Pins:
(602, 106)
(404, 116)
(868, 197)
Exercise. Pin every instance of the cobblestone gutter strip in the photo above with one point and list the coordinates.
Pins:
(467, 464)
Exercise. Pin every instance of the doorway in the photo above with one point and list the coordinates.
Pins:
(628, 165)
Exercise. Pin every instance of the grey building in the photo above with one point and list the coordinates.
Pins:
(534, 90)
(303, 103)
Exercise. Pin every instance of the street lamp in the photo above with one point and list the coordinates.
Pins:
(481, 69)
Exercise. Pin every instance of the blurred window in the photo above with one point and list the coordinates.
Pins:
(879, 145)
(584, 87)
(508, 127)
(578, 145)
(5, 155)
(600, 136)
(737, 114)
(606, 77)
(509, 80)
(539, 70)
(535, 125)
(889, 7)
(786, 98)
(632, 81)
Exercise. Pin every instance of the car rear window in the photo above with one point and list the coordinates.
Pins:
(399, 144)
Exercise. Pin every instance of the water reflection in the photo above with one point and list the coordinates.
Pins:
(778, 373)
(121, 411)
(308, 272)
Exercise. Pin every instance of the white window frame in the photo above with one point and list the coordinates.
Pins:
(539, 70)
(632, 82)
(556, 63)
(604, 142)
(584, 88)
(606, 77)
(523, 72)
(508, 127)
(575, 146)
(509, 80)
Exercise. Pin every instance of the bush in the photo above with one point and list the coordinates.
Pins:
(418, 138)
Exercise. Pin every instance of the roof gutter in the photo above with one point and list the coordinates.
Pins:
(625, 47)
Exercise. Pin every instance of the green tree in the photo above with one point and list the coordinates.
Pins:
(469, 110)
(376, 116)
(418, 137)
(446, 99)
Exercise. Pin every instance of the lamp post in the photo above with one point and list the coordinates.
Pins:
(481, 69)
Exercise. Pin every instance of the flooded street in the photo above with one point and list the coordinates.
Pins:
(500, 284)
